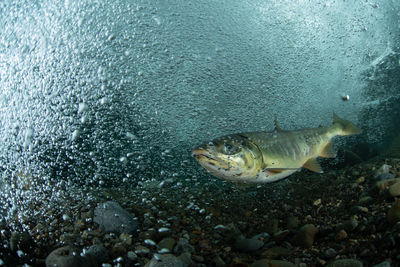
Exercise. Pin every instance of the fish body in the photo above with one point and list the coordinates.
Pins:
(262, 157)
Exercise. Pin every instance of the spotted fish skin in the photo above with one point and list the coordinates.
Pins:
(262, 157)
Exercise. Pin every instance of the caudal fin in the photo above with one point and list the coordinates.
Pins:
(348, 128)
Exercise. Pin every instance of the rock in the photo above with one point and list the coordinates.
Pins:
(230, 231)
(330, 253)
(274, 263)
(342, 234)
(280, 236)
(69, 257)
(118, 250)
(98, 252)
(345, 263)
(276, 252)
(132, 256)
(111, 217)
(351, 224)
(384, 169)
(305, 236)
(20, 241)
(248, 244)
(167, 243)
(385, 176)
(394, 190)
(292, 222)
(219, 262)
(126, 239)
(183, 246)
(186, 258)
(383, 264)
(167, 260)
(365, 200)
(393, 215)
(382, 186)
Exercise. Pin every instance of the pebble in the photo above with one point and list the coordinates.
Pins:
(276, 252)
(330, 253)
(275, 263)
(183, 246)
(394, 212)
(305, 236)
(248, 244)
(345, 263)
(98, 252)
(342, 234)
(219, 262)
(69, 257)
(126, 239)
(111, 217)
(383, 264)
(118, 249)
(394, 190)
(384, 169)
(166, 260)
(132, 256)
(167, 243)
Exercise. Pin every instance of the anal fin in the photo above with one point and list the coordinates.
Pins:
(313, 165)
(327, 151)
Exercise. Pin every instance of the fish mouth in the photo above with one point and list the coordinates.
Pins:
(204, 157)
(201, 154)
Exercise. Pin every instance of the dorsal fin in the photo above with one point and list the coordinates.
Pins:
(313, 165)
(276, 125)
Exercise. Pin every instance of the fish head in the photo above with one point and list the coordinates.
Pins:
(232, 157)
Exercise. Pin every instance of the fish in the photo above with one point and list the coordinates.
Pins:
(264, 157)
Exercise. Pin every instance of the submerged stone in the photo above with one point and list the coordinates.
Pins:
(111, 217)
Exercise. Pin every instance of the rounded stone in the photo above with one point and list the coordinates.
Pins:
(98, 252)
(68, 257)
(345, 263)
(247, 245)
(111, 217)
(394, 190)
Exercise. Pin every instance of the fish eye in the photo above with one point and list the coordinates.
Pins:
(230, 149)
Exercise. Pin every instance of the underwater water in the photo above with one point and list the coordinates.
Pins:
(105, 100)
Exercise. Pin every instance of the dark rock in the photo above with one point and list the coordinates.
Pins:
(383, 264)
(345, 263)
(394, 190)
(248, 244)
(167, 243)
(69, 257)
(276, 252)
(274, 263)
(20, 240)
(98, 252)
(183, 246)
(167, 260)
(305, 236)
(393, 215)
(385, 176)
(112, 218)
(330, 253)
(186, 258)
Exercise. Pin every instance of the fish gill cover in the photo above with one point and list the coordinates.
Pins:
(109, 92)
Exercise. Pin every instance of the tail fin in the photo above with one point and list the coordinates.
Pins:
(348, 128)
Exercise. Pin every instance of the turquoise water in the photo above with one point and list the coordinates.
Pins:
(100, 93)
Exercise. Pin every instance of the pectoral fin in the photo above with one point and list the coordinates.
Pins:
(327, 151)
(313, 165)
